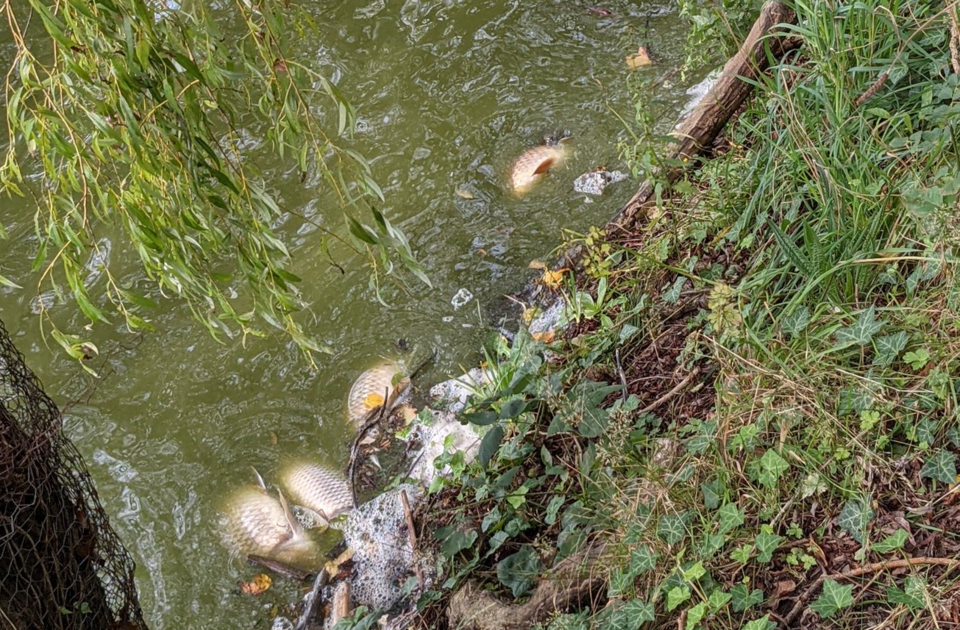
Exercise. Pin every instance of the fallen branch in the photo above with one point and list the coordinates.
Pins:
(411, 533)
(575, 580)
(280, 568)
(314, 600)
(679, 387)
(876, 567)
(701, 127)
(954, 39)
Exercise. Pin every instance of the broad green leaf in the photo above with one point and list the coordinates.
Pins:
(855, 517)
(913, 594)
(695, 615)
(718, 599)
(834, 598)
(676, 596)
(766, 543)
(518, 572)
(643, 559)
(729, 517)
(671, 528)
(772, 466)
(490, 444)
(893, 542)
(712, 491)
(553, 508)
(941, 466)
(862, 331)
(796, 322)
(889, 347)
(481, 418)
(763, 623)
(742, 598)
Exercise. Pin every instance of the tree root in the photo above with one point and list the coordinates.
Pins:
(575, 580)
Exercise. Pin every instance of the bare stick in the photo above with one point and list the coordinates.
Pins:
(280, 568)
(679, 387)
(954, 39)
(341, 603)
(623, 377)
(876, 567)
(322, 578)
(411, 533)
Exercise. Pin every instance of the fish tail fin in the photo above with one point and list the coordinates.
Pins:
(288, 513)
(259, 478)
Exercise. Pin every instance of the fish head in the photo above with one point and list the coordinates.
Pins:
(557, 137)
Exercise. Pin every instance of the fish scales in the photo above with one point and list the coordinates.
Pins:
(370, 390)
(317, 488)
(257, 524)
(529, 168)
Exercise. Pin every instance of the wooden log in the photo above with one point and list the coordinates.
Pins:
(341, 603)
(705, 122)
(575, 580)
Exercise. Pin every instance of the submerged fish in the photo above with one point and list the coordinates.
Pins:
(372, 389)
(529, 168)
(258, 524)
(317, 488)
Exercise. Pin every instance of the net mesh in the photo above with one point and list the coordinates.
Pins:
(61, 565)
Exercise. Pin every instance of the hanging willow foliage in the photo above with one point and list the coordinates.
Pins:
(132, 114)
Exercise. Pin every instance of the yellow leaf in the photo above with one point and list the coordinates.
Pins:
(529, 313)
(408, 413)
(552, 279)
(537, 264)
(257, 585)
(546, 336)
(372, 401)
(639, 60)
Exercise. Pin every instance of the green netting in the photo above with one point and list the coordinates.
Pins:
(61, 565)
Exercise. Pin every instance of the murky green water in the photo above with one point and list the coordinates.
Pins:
(448, 93)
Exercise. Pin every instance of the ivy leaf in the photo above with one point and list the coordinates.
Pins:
(676, 596)
(711, 493)
(835, 597)
(741, 597)
(889, 347)
(671, 528)
(490, 444)
(553, 508)
(763, 623)
(519, 571)
(718, 599)
(620, 582)
(630, 616)
(772, 465)
(941, 467)
(643, 559)
(893, 542)
(730, 517)
(862, 330)
(766, 544)
(796, 322)
(913, 594)
(855, 516)
(695, 615)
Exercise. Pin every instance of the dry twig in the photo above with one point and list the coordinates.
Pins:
(876, 567)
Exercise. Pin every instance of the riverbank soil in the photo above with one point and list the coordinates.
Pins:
(750, 420)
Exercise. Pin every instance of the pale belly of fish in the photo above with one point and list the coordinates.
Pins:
(530, 167)
(371, 390)
(256, 524)
(317, 488)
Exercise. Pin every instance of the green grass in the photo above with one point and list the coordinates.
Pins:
(804, 473)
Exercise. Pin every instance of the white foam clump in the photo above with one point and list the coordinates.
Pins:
(548, 319)
(377, 533)
(452, 395)
(445, 434)
(698, 92)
